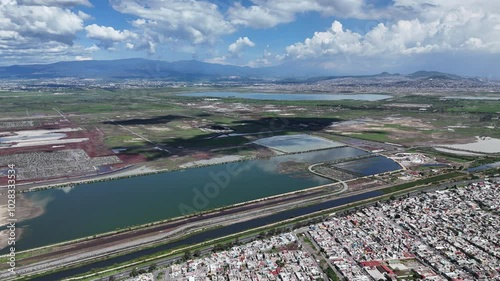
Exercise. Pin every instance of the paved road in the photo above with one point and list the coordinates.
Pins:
(307, 247)
(314, 252)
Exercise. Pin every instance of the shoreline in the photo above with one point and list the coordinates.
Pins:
(25, 209)
(130, 171)
(184, 217)
(139, 170)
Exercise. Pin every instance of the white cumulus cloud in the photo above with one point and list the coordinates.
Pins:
(455, 36)
(92, 48)
(236, 47)
(266, 59)
(107, 35)
(166, 21)
(331, 42)
(217, 60)
(63, 3)
(458, 29)
(265, 14)
(82, 58)
(33, 30)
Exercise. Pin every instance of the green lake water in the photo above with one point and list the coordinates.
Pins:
(89, 209)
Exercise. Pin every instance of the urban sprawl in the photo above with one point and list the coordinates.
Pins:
(450, 234)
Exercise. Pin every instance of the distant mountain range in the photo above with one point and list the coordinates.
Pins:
(191, 70)
(130, 68)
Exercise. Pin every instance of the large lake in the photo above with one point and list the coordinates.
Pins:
(291, 97)
(94, 208)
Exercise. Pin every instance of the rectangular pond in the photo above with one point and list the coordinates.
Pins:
(297, 143)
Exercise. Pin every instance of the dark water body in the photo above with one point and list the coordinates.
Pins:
(212, 234)
(90, 209)
(370, 166)
(291, 97)
(297, 143)
(435, 165)
(484, 167)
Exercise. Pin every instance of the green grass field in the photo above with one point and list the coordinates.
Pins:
(434, 179)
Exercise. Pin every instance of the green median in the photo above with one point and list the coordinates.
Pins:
(425, 181)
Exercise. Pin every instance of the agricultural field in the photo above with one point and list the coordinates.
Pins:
(160, 129)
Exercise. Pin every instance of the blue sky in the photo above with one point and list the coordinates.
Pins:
(331, 36)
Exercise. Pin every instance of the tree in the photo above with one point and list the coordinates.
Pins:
(197, 253)
(416, 275)
(187, 255)
(142, 271)
(134, 272)
(152, 267)
(218, 247)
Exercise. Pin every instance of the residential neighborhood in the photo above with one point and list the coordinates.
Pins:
(450, 234)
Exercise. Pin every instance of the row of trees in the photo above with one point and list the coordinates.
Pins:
(136, 272)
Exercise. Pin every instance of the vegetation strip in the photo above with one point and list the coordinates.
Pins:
(422, 182)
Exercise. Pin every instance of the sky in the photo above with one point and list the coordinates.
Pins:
(336, 37)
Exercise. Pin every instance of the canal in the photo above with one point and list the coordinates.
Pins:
(211, 234)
